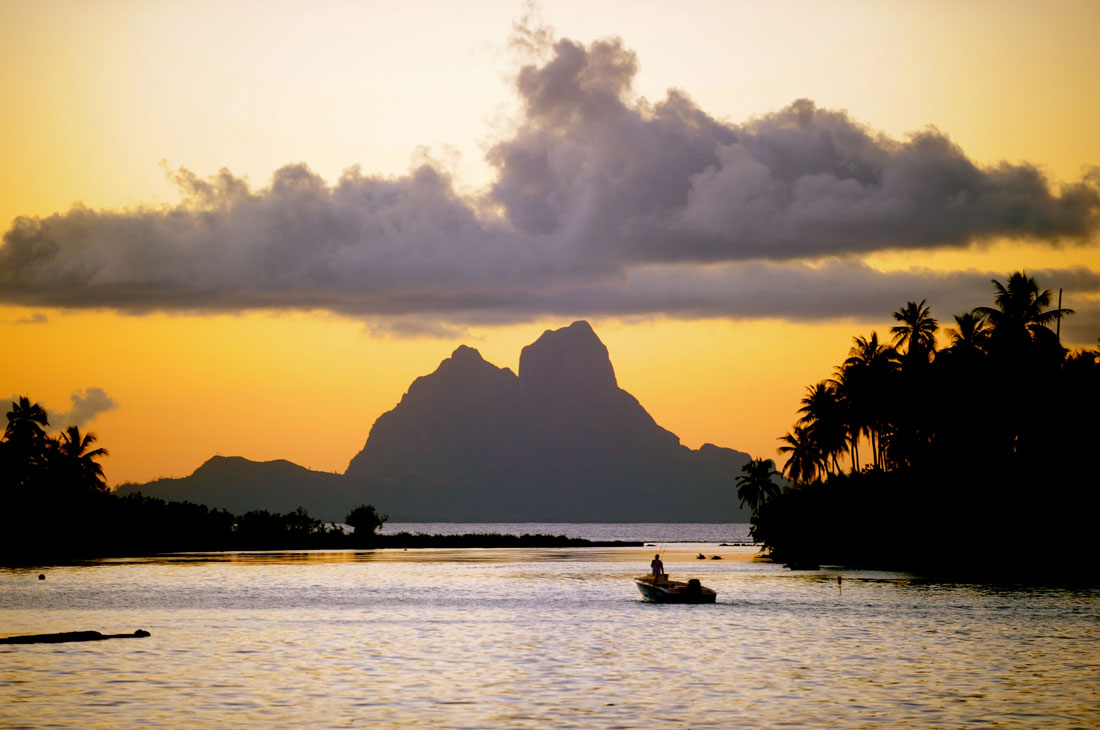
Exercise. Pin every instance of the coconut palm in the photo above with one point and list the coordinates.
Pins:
(78, 462)
(846, 407)
(917, 331)
(25, 422)
(23, 447)
(971, 333)
(866, 377)
(755, 485)
(823, 416)
(1021, 316)
(804, 457)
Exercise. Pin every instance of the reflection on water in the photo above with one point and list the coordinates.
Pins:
(537, 639)
(655, 532)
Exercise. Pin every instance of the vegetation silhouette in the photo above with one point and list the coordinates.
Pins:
(755, 485)
(958, 460)
(57, 508)
(365, 522)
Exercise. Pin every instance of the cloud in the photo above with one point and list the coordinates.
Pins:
(1083, 328)
(35, 318)
(667, 182)
(602, 204)
(87, 404)
(794, 291)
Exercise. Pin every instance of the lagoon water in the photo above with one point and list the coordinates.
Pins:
(539, 638)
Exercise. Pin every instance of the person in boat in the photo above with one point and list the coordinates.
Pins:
(658, 567)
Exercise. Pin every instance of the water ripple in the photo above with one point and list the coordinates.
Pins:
(511, 639)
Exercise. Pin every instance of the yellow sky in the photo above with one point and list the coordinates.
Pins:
(98, 93)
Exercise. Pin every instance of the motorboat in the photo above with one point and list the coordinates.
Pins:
(663, 590)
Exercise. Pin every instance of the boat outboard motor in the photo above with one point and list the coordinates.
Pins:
(694, 586)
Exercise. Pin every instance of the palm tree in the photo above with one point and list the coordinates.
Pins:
(755, 485)
(823, 416)
(78, 460)
(970, 334)
(804, 457)
(23, 447)
(917, 331)
(1021, 316)
(866, 377)
(848, 415)
(25, 421)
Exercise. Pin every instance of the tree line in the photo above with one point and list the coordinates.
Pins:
(970, 457)
(57, 506)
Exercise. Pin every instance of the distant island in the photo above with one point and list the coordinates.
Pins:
(470, 442)
(473, 442)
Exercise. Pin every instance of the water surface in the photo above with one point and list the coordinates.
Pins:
(555, 638)
(654, 532)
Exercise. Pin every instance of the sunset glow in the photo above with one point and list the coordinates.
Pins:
(284, 325)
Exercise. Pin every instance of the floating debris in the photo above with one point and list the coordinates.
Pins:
(67, 636)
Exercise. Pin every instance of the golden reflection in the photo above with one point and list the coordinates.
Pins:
(675, 553)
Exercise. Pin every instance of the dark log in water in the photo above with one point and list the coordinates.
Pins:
(70, 636)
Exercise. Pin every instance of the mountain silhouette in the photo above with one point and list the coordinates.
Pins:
(472, 442)
(240, 485)
(559, 442)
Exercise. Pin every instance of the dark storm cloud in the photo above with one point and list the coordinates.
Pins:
(601, 206)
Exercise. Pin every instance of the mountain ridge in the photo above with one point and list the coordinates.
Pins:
(559, 441)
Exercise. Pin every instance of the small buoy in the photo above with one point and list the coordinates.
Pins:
(41, 576)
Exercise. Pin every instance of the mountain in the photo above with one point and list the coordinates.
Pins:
(560, 442)
(240, 485)
(473, 442)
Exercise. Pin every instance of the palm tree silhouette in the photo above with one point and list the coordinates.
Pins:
(970, 334)
(25, 421)
(1002, 408)
(755, 485)
(847, 409)
(24, 444)
(1021, 317)
(79, 459)
(866, 377)
(917, 331)
(823, 416)
(804, 457)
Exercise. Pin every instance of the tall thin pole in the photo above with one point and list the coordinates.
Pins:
(1058, 327)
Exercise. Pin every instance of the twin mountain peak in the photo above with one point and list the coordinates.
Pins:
(471, 442)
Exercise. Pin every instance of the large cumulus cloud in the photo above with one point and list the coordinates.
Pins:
(601, 204)
(667, 182)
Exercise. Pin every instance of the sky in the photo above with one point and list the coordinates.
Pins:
(244, 228)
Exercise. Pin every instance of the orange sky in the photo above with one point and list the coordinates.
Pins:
(101, 92)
